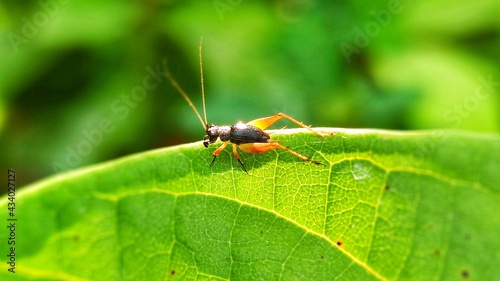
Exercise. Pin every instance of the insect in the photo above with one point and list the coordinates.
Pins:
(248, 137)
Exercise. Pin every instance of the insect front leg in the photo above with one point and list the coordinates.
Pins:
(217, 151)
(235, 152)
(264, 123)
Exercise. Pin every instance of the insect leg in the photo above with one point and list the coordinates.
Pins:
(217, 151)
(263, 147)
(263, 123)
(237, 156)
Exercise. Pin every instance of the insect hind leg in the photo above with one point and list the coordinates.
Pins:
(265, 122)
(263, 147)
(293, 152)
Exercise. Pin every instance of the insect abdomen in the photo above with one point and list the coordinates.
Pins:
(243, 133)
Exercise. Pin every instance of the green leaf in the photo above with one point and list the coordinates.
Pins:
(385, 206)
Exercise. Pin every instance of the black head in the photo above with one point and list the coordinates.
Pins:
(212, 135)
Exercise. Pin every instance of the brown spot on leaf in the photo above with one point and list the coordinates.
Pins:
(339, 243)
(172, 272)
(437, 252)
(465, 274)
(386, 187)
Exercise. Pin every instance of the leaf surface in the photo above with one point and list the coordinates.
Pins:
(384, 206)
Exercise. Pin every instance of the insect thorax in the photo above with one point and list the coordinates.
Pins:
(225, 133)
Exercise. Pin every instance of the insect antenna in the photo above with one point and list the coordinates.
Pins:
(202, 84)
(185, 96)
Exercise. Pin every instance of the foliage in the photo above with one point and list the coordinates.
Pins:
(68, 66)
(385, 206)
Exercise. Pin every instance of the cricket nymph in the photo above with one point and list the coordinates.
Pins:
(237, 134)
(248, 137)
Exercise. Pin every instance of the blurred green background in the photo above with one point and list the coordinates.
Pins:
(81, 82)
